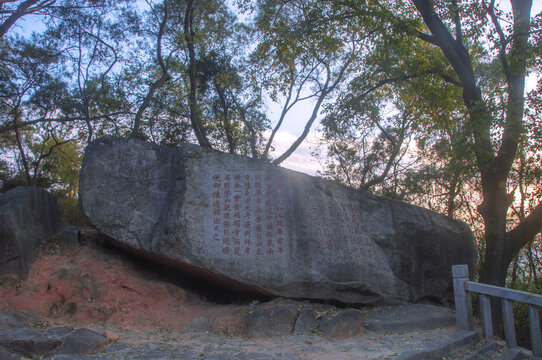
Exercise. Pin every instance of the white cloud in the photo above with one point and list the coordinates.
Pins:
(302, 159)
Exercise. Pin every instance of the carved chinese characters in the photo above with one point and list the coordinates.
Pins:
(342, 226)
(248, 214)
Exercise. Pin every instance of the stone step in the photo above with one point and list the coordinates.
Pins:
(454, 342)
(495, 350)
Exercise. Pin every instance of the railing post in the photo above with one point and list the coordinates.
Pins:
(486, 320)
(534, 325)
(463, 304)
(508, 320)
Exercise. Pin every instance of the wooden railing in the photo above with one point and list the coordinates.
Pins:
(463, 308)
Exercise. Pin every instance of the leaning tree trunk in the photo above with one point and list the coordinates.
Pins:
(195, 119)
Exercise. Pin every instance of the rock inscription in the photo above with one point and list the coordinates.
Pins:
(247, 215)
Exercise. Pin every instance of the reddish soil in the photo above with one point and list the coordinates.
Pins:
(91, 287)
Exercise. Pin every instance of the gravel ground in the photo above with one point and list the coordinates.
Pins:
(370, 345)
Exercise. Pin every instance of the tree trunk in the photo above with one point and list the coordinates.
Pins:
(494, 210)
(24, 159)
(193, 101)
(20, 145)
(164, 77)
(226, 121)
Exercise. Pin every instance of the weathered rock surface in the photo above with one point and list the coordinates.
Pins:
(271, 229)
(28, 217)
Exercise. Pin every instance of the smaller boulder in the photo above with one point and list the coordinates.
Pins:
(59, 340)
(199, 325)
(346, 323)
(69, 237)
(306, 321)
(6, 355)
(43, 345)
(29, 216)
(20, 340)
(275, 321)
(30, 342)
(60, 331)
(82, 341)
(10, 321)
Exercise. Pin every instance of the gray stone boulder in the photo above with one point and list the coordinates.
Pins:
(199, 325)
(82, 341)
(306, 320)
(275, 321)
(265, 228)
(282, 317)
(29, 216)
(60, 340)
(346, 323)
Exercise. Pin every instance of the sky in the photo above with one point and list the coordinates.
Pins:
(303, 159)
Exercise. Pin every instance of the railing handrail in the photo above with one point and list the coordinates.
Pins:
(463, 308)
(504, 293)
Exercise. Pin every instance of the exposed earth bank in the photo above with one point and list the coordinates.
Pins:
(99, 287)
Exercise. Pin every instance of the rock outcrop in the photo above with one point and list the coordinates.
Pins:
(28, 217)
(270, 229)
(53, 341)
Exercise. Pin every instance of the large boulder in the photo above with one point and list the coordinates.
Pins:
(28, 217)
(277, 231)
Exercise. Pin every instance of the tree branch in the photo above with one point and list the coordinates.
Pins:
(165, 77)
(516, 88)
(490, 9)
(396, 148)
(427, 38)
(283, 113)
(457, 22)
(523, 233)
(23, 9)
